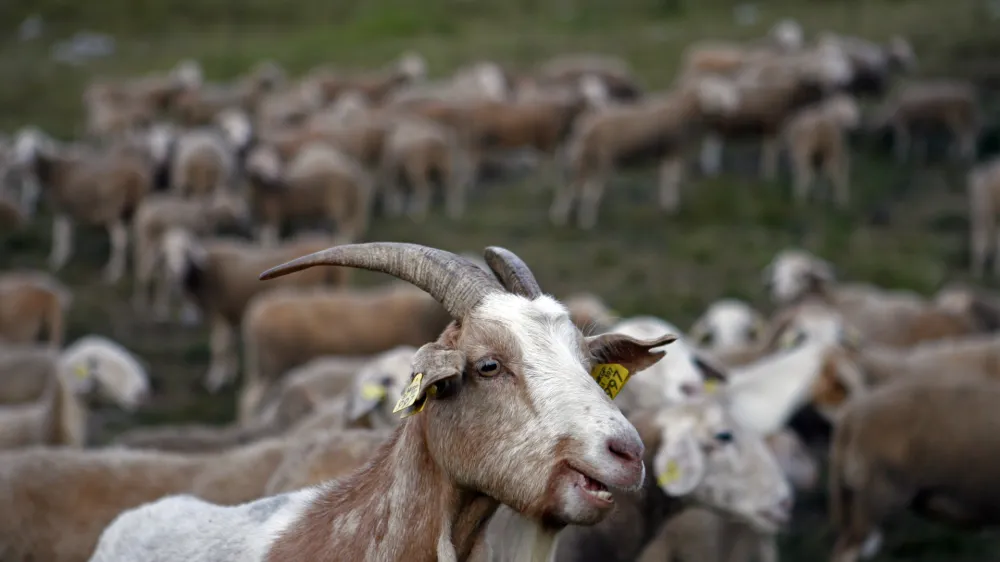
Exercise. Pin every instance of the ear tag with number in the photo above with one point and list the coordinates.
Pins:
(81, 372)
(373, 392)
(670, 475)
(611, 377)
(711, 386)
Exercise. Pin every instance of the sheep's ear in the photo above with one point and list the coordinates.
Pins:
(80, 376)
(365, 398)
(714, 375)
(436, 368)
(679, 464)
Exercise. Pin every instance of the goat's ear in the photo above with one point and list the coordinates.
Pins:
(435, 369)
(364, 399)
(635, 355)
(680, 463)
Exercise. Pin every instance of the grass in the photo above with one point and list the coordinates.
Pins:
(641, 261)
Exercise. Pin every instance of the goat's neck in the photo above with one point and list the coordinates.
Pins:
(400, 506)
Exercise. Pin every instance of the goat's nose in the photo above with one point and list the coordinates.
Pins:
(628, 450)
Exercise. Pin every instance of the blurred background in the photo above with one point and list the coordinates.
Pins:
(906, 225)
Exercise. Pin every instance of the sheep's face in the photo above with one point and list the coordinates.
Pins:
(525, 422)
(679, 375)
(413, 66)
(793, 273)
(378, 386)
(491, 81)
(728, 324)
(829, 65)
(703, 453)
(235, 127)
(788, 34)
(158, 140)
(188, 74)
(264, 164)
(594, 90)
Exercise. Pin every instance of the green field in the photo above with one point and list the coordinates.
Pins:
(639, 260)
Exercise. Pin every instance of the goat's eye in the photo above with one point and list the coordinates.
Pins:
(386, 381)
(706, 339)
(724, 437)
(488, 367)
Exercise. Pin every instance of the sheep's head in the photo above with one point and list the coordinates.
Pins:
(728, 324)
(901, 54)
(788, 34)
(187, 74)
(827, 64)
(117, 374)
(264, 165)
(236, 127)
(31, 141)
(378, 386)
(702, 453)
(491, 81)
(413, 66)
(794, 273)
(505, 398)
(229, 208)
(594, 90)
(679, 376)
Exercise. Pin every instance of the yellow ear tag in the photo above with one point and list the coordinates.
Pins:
(373, 392)
(81, 372)
(670, 475)
(611, 377)
(711, 386)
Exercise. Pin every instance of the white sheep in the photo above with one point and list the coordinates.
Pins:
(727, 324)
(59, 417)
(203, 161)
(497, 319)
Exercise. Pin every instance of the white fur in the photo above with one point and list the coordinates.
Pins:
(117, 371)
(786, 275)
(788, 33)
(711, 154)
(236, 126)
(731, 323)
(413, 65)
(671, 380)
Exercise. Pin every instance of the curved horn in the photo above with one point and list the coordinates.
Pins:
(458, 284)
(512, 272)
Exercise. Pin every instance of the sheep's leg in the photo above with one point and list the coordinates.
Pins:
(802, 170)
(767, 549)
(115, 268)
(671, 170)
(223, 367)
(30, 191)
(420, 202)
(144, 265)
(838, 170)
(62, 242)
(455, 198)
(901, 142)
(865, 510)
(250, 398)
(392, 196)
(769, 149)
(563, 201)
(190, 315)
(965, 143)
(590, 199)
(980, 238)
(711, 154)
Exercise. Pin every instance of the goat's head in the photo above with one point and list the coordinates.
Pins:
(505, 397)
(728, 324)
(794, 273)
(702, 453)
(97, 362)
(378, 386)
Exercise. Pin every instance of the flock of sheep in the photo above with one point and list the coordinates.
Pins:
(454, 414)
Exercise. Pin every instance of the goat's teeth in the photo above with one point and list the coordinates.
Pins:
(604, 495)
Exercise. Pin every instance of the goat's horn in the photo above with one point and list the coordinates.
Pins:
(512, 272)
(458, 284)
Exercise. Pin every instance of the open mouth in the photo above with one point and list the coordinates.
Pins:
(593, 489)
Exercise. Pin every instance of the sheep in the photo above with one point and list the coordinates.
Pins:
(495, 317)
(325, 456)
(114, 107)
(872, 65)
(422, 151)
(983, 191)
(678, 377)
(478, 81)
(589, 313)
(770, 90)
(203, 162)
(903, 447)
(279, 330)
(319, 181)
(59, 417)
(215, 275)
(32, 302)
(410, 68)
(658, 126)
(199, 105)
(918, 107)
(103, 188)
(64, 498)
(727, 324)
(817, 136)
(159, 213)
(894, 318)
(699, 455)
(614, 73)
(289, 106)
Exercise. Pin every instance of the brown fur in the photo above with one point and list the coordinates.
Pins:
(32, 303)
(325, 456)
(904, 446)
(953, 104)
(11, 217)
(64, 498)
(25, 372)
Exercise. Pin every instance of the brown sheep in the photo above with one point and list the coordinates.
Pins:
(320, 181)
(33, 302)
(286, 328)
(615, 73)
(324, 456)
(659, 126)
(219, 275)
(817, 135)
(410, 68)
